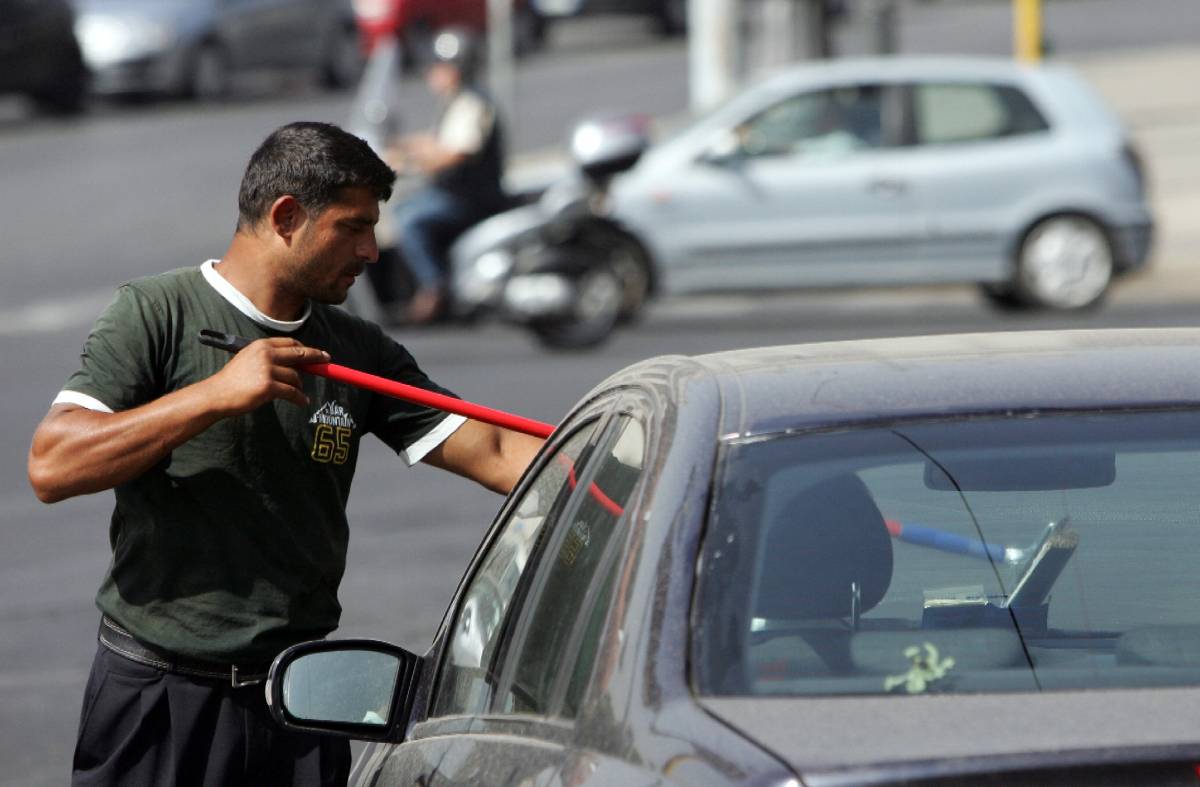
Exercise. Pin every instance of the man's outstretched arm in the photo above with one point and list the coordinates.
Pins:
(492, 456)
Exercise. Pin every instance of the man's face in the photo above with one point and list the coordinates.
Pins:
(334, 246)
(443, 79)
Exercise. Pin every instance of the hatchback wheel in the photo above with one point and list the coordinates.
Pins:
(1065, 262)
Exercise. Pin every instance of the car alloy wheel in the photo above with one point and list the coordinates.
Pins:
(1065, 262)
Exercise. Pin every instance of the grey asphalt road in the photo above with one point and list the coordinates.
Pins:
(134, 190)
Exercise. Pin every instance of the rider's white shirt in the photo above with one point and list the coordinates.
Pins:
(466, 123)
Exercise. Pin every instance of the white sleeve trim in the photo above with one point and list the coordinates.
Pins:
(436, 436)
(83, 400)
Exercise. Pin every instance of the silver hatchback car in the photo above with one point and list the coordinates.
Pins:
(898, 171)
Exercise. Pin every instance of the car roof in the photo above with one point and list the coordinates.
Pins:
(768, 390)
(1056, 88)
(901, 68)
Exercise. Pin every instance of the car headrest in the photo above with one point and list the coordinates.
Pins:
(827, 537)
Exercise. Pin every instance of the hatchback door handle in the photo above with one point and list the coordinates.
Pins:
(888, 187)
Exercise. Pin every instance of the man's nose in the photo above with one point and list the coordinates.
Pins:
(369, 249)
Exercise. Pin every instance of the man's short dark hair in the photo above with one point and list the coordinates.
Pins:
(312, 162)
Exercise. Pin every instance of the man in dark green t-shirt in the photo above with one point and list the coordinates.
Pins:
(231, 473)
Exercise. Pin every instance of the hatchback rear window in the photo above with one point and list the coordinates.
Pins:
(967, 112)
(981, 555)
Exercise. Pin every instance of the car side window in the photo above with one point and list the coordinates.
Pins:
(466, 681)
(575, 583)
(822, 123)
(949, 113)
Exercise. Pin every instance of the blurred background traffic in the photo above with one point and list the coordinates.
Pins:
(741, 173)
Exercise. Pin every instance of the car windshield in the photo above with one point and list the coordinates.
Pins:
(1023, 553)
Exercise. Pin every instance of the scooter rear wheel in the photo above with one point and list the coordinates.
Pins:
(593, 315)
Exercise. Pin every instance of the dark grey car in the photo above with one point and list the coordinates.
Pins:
(937, 560)
(39, 57)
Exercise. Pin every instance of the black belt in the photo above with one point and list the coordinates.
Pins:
(121, 642)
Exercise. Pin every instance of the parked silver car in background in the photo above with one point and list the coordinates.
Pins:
(898, 171)
(195, 48)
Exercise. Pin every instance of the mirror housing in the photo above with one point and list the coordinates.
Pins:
(723, 150)
(352, 688)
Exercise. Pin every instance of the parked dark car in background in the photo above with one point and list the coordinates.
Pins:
(924, 561)
(196, 48)
(39, 57)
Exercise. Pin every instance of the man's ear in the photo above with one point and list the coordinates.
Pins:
(285, 216)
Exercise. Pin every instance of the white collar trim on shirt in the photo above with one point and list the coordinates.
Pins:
(243, 304)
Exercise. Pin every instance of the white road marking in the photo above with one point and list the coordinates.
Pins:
(50, 315)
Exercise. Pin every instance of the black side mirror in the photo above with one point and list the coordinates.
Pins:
(351, 688)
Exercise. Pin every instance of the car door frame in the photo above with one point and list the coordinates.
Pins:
(971, 240)
(552, 729)
(617, 545)
(421, 727)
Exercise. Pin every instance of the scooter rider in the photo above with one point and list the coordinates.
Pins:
(463, 160)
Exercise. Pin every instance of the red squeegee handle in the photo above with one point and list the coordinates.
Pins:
(386, 387)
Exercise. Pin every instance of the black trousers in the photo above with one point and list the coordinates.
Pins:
(143, 726)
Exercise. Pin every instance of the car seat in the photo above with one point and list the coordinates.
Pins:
(825, 560)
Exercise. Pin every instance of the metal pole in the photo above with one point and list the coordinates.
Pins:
(883, 26)
(1027, 30)
(712, 51)
(778, 42)
(501, 70)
